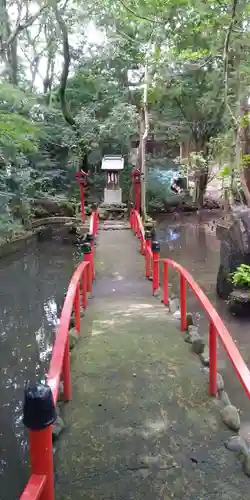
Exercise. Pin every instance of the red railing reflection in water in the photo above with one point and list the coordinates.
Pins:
(41, 483)
(217, 329)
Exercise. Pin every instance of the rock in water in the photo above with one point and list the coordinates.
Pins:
(177, 314)
(72, 322)
(187, 338)
(174, 305)
(157, 293)
(239, 302)
(204, 356)
(237, 444)
(192, 329)
(230, 417)
(190, 320)
(198, 345)
(191, 334)
(246, 465)
(219, 382)
(57, 427)
(224, 398)
(73, 337)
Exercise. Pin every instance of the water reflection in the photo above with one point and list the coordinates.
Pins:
(198, 250)
(170, 235)
(50, 319)
(32, 286)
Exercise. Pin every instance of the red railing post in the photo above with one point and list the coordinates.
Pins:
(93, 260)
(165, 284)
(134, 222)
(183, 302)
(137, 227)
(131, 216)
(82, 202)
(77, 309)
(94, 223)
(90, 239)
(156, 265)
(136, 182)
(212, 360)
(66, 373)
(38, 416)
(95, 219)
(147, 237)
(84, 290)
(142, 240)
(137, 194)
(87, 250)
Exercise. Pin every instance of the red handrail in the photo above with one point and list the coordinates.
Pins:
(34, 488)
(151, 258)
(216, 328)
(60, 345)
(41, 483)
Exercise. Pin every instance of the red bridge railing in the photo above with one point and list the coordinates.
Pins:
(217, 330)
(40, 400)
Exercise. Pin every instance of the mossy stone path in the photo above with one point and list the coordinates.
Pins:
(141, 425)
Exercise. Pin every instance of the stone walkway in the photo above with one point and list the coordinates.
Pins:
(141, 425)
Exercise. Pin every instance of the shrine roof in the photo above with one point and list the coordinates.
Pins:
(112, 163)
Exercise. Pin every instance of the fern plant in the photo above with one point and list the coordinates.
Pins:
(241, 276)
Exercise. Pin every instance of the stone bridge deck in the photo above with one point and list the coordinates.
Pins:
(141, 425)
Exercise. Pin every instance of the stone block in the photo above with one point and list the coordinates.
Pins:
(112, 196)
(230, 417)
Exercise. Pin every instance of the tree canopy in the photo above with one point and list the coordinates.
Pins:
(71, 87)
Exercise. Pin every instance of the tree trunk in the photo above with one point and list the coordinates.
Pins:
(202, 186)
(8, 50)
(12, 63)
(9, 38)
(245, 149)
(202, 176)
(241, 131)
(143, 164)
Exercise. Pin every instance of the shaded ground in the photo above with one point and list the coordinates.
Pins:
(141, 424)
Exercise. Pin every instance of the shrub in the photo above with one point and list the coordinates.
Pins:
(241, 276)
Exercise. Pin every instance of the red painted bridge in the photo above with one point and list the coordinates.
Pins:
(118, 294)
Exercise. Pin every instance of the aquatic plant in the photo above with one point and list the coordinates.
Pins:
(241, 276)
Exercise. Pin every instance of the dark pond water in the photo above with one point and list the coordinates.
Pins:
(32, 288)
(192, 242)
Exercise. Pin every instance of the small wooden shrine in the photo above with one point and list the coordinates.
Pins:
(112, 165)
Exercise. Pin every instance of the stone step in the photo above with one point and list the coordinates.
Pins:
(114, 225)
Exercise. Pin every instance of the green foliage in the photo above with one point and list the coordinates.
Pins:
(18, 134)
(9, 228)
(182, 43)
(156, 203)
(241, 276)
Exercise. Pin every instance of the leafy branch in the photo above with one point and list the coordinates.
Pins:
(225, 60)
(22, 26)
(139, 16)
